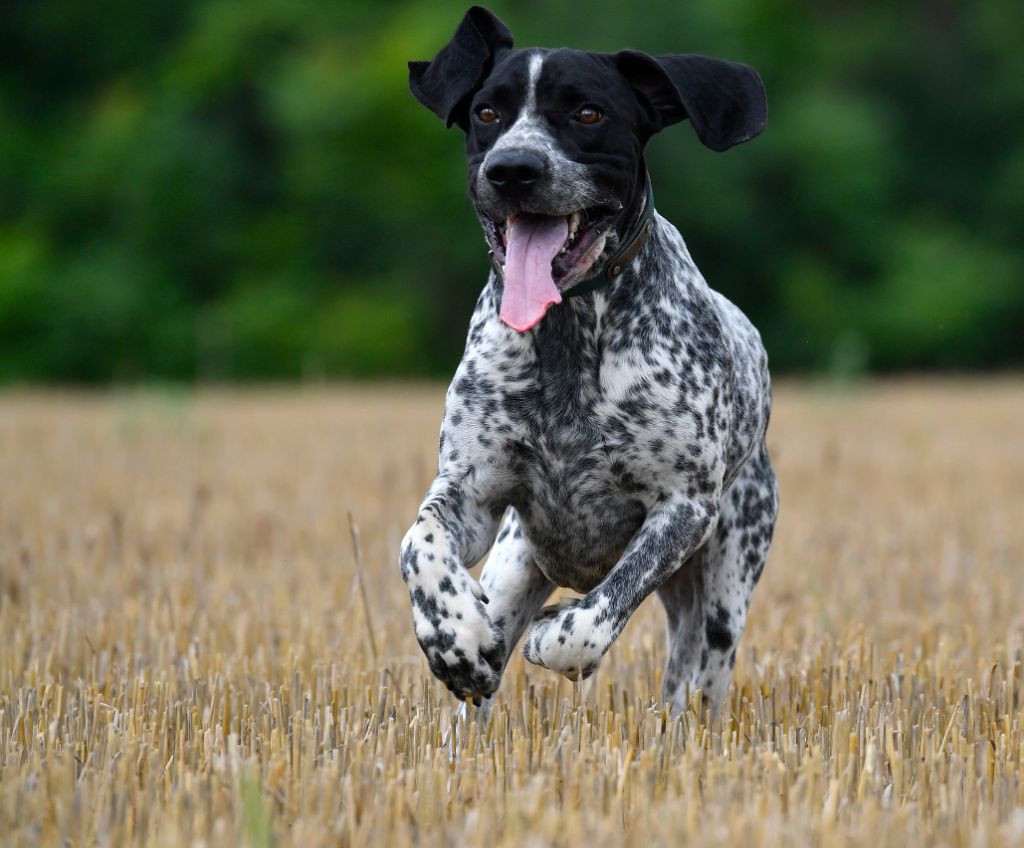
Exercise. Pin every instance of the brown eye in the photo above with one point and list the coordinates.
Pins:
(588, 115)
(487, 114)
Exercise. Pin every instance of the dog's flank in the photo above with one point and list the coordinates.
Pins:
(616, 445)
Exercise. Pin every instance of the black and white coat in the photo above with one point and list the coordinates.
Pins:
(617, 449)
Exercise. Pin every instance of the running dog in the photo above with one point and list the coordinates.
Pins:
(605, 430)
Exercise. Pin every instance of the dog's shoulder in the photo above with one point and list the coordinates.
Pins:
(664, 312)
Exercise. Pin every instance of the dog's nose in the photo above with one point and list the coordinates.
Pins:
(513, 172)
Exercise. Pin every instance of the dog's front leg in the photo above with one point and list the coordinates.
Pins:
(572, 636)
(455, 527)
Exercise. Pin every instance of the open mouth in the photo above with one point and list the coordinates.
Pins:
(583, 244)
(543, 255)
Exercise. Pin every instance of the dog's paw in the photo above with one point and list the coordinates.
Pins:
(465, 650)
(562, 638)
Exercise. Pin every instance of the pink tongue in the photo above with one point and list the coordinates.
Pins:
(533, 241)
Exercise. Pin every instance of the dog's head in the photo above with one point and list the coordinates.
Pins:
(555, 142)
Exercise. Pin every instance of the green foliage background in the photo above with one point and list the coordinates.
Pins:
(242, 189)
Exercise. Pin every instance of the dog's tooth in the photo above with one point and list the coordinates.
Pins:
(574, 223)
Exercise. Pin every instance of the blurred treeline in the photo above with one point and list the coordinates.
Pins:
(245, 189)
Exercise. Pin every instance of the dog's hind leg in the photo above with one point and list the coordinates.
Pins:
(681, 597)
(706, 600)
(516, 589)
(514, 584)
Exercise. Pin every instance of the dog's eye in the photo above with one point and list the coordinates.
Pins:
(588, 115)
(487, 114)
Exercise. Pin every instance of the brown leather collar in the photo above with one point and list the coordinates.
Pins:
(626, 254)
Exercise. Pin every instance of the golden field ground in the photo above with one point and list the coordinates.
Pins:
(188, 658)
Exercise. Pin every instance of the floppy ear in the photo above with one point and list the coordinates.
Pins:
(444, 84)
(725, 101)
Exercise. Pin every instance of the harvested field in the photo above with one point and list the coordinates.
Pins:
(187, 656)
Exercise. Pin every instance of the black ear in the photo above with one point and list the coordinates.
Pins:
(725, 101)
(444, 84)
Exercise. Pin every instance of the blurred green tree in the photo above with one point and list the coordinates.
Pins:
(224, 190)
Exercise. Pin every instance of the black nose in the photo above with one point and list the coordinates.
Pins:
(513, 172)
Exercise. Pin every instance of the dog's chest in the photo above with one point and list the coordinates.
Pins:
(577, 461)
(583, 424)
(578, 503)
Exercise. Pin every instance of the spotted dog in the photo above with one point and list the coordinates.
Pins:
(605, 430)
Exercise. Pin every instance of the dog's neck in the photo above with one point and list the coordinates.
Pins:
(628, 242)
(635, 207)
(568, 345)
